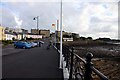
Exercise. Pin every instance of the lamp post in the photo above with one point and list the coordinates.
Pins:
(57, 31)
(37, 18)
(61, 36)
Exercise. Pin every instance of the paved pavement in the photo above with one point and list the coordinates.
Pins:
(8, 50)
(36, 63)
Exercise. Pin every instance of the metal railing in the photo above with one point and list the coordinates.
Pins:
(79, 68)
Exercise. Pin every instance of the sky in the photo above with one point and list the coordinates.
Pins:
(88, 18)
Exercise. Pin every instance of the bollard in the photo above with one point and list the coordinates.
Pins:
(88, 70)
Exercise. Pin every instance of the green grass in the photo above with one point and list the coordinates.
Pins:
(6, 42)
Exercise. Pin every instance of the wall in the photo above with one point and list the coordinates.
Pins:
(46, 33)
(2, 35)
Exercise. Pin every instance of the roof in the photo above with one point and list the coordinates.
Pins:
(6, 32)
(33, 34)
(43, 30)
(19, 33)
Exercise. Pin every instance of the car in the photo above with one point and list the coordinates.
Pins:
(21, 44)
(32, 44)
(36, 43)
(41, 42)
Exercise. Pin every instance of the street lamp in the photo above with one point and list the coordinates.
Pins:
(60, 66)
(37, 18)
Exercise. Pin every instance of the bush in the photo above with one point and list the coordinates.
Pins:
(6, 42)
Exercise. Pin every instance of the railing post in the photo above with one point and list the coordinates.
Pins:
(67, 52)
(88, 70)
(71, 65)
(63, 51)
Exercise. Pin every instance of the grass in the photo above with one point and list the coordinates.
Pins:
(6, 42)
(85, 43)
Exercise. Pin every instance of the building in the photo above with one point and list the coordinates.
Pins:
(17, 30)
(63, 33)
(7, 33)
(34, 36)
(45, 33)
(19, 36)
(67, 37)
(2, 34)
(24, 31)
(34, 31)
(10, 36)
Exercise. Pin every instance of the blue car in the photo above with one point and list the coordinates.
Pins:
(21, 44)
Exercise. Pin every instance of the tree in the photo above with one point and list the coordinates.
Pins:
(82, 38)
(104, 39)
(89, 38)
(75, 36)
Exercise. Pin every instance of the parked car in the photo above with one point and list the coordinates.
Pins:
(37, 43)
(21, 44)
(41, 42)
(33, 44)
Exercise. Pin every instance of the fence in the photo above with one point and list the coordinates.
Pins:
(79, 68)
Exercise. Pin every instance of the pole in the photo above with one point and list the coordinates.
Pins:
(71, 65)
(61, 37)
(57, 30)
(55, 35)
(57, 25)
(37, 24)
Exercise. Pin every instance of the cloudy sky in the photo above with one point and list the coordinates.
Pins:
(95, 18)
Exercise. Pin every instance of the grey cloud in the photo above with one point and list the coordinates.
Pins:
(49, 12)
(103, 27)
(97, 20)
(7, 19)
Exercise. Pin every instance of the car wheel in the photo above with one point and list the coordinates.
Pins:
(24, 47)
(15, 46)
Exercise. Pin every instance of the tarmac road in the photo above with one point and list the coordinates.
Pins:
(32, 63)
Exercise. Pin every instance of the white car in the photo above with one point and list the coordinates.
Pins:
(42, 42)
(34, 44)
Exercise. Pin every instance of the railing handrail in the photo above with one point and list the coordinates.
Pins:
(102, 76)
(80, 58)
(88, 62)
(89, 68)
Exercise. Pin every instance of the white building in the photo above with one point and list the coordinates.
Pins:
(10, 36)
(19, 36)
(34, 36)
(68, 39)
